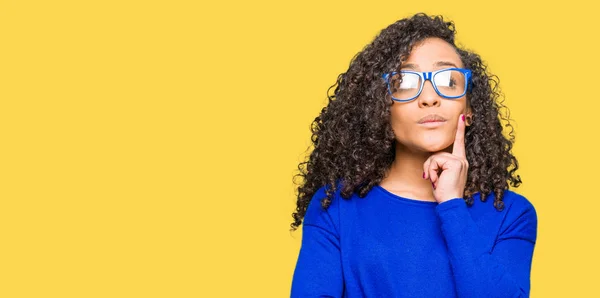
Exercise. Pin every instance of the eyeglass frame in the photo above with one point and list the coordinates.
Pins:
(427, 76)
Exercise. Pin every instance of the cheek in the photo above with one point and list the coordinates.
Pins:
(399, 123)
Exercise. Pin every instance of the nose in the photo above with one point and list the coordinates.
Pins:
(428, 96)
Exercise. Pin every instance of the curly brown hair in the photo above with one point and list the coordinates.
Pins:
(354, 143)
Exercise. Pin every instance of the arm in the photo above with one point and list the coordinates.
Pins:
(318, 270)
(503, 272)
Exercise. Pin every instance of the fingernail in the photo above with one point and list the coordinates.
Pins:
(463, 118)
(423, 175)
(433, 185)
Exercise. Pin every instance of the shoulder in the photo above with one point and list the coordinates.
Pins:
(513, 201)
(518, 203)
(520, 218)
(316, 214)
(320, 195)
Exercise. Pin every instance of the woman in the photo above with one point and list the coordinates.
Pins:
(406, 191)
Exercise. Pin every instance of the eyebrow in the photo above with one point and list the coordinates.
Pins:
(437, 64)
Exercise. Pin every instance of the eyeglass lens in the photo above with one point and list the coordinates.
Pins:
(449, 83)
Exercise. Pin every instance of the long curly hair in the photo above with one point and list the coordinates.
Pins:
(353, 141)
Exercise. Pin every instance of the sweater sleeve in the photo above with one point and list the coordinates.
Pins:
(318, 271)
(478, 272)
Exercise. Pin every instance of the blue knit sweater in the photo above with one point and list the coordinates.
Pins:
(385, 245)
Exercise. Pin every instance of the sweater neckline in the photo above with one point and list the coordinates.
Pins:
(404, 199)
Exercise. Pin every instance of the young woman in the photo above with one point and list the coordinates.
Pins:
(406, 191)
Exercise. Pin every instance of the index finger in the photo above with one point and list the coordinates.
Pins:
(459, 141)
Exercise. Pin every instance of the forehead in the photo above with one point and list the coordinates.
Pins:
(432, 53)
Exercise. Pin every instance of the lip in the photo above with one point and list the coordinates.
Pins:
(432, 123)
(432, 119)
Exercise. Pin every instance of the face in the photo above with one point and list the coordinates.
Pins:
(430, 55)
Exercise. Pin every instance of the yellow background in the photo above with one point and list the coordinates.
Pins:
(147, 148)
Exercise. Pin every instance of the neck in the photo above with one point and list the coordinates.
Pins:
(406, 172)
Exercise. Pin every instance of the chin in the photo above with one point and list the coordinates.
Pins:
(428, 144)
(434, 147)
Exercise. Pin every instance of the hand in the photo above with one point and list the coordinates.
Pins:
(450, 183)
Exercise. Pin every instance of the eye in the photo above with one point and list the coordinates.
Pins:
(452, 83)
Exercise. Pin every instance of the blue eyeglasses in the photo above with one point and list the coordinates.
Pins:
(449, 83)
